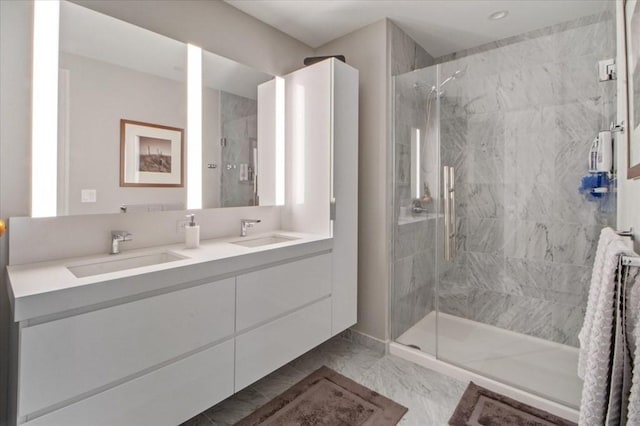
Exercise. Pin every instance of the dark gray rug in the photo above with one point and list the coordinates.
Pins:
(326, 398)
(482, 407)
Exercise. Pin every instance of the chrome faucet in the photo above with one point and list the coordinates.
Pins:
(116, 238)
(246, 224)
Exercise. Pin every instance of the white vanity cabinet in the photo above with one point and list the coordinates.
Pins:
(163, 359)
(282, 312)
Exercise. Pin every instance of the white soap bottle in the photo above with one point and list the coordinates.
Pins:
(192, 233)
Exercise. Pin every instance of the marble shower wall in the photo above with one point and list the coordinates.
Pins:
(239, 127)
(518, 126)
(413, 268)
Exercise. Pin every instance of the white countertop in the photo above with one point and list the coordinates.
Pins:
(49, 288)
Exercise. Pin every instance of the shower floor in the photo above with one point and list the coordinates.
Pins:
(541, 367)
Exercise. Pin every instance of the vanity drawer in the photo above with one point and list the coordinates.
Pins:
(66, 358)
(263, 350)
(167, 396)
(263, 295)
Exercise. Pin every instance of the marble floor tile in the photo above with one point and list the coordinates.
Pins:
(236, 407)
(199, 420)
(278, 381)
(348, 359)
(431, 397)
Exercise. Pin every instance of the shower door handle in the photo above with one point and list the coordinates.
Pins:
(447, 213)
(453, 234)
(450, 226)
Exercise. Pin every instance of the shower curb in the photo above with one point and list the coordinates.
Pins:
(461, 374)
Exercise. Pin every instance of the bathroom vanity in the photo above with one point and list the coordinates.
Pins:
(160, 343)
(158, 333)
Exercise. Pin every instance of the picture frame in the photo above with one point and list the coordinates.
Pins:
(151, 155)
(632, 48)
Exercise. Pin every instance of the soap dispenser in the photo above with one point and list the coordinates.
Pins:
(192, 233)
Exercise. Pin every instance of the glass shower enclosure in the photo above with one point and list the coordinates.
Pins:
(493, 242)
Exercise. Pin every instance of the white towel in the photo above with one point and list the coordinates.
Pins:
(598, 340)
(607, 235)
(633, 409)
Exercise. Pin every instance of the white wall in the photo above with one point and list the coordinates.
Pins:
(366, 50)
(214, 25)
(15, 85)
(628, 190)
(100, 94)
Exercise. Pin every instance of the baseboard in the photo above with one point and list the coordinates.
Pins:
(363, 339)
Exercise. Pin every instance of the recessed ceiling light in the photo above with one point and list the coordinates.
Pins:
(498, 15)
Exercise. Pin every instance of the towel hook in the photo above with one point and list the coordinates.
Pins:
(628, 233)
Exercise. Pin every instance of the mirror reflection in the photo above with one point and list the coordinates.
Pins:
(229, 132)
(112, 73)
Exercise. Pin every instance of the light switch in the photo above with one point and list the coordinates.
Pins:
(88, 196)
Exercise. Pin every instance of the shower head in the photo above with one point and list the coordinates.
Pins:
(457, 74)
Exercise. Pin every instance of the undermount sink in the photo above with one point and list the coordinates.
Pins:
(120, 264)
(263, 241)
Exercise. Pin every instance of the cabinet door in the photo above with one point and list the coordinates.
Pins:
(167, 396)
(64, 359)
(265, 294)
(266, 348)
(308, 149)
(345, 191)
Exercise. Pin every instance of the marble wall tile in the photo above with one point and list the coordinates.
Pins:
(521, 273)
(403, 164)
(239, 127)
(406, 54)
(487, 272)
(577, 42)
(453, 298)
(484, 235)
(455, 129)
(567, 321)
(414, 237)
(455, 272)
(479, 200)
(410, 309)
(529, 240)
(516, 313)
(518, 126)
(534, 201)
(571, 279)
(574, 243)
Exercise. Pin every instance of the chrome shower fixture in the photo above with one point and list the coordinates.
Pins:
(457, 74)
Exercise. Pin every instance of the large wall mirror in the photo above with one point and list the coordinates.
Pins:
(127, 140)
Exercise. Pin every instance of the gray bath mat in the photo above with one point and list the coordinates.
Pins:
(481, 407)
(326, 398)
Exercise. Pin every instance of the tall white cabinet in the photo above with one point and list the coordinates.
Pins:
(322, 169)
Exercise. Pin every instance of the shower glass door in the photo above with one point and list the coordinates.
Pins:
(516, 125)
(416, 210)
(492, 258)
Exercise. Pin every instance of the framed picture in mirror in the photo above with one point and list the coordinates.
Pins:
(151, 155)
(632, 33)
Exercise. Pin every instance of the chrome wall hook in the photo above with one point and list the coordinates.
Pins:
(617, 127)
(628, 233)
